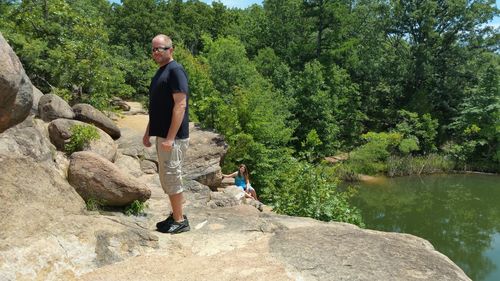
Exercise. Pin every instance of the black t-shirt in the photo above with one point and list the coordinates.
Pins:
(169, 79)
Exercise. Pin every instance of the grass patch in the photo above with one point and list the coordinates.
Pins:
(93, 204)
(418, 165)
(136, 208)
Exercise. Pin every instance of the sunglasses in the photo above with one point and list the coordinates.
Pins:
(160, 49)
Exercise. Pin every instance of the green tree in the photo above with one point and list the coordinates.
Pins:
(439, 35)
(287, 31)
(423, 129)
(314, 109)
(230, 68)
(52, 39)
(477, 127)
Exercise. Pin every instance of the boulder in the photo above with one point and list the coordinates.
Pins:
(121, 104)
(135, 108)
(130, 143)
(28, 191)
(27, 139)
(203, 157)
(60, 134)
(149, 167)
(230, 196)
(51, 107)
(227, 182)
(23, 103)
(95, 177)
(13, 103)
(129, 165)
(88, 114)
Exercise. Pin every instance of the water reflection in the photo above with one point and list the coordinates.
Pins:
(458, 214)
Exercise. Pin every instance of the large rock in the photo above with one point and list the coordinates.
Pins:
(204, 155)
(241, 243)
(15, 95)
(129, 165)
(231, 196)
(121, 104)
(346, 252)
(28, 139)
(130, 143)
(60, 134)
(88, 114)
(45, 232)
(28, 191)
(51, 107)
(95, 177)
(23, 103)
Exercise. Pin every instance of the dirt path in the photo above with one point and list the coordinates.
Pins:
(135, 122)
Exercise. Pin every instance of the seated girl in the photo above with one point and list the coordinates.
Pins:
(242, 180)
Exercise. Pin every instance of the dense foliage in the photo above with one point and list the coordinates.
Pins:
(292, 81)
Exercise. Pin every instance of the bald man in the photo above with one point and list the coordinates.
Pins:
(169, 123)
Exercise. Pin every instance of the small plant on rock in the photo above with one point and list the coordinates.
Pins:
(136, 208)
(94, 204)
(81, 135)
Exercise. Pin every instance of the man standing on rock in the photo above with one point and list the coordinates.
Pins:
(169, 123)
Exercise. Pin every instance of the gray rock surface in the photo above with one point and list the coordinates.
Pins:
(345, 252)
(230, 196)
(28, 139)
(204, 156)
(94, 177)
(51, 107)
(130, 143)
(129, 165)
(23, 103)
(88, 114)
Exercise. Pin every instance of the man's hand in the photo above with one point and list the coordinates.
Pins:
(145, 141)
(167, 145)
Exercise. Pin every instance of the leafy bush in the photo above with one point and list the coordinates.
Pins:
(371, 157)
(406, 146)
(304, 190)
(422, 130)
(136, 208)
(81, 135)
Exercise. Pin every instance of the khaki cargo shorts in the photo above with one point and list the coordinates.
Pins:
(170, 165)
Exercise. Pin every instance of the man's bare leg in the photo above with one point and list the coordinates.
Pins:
(176, 200)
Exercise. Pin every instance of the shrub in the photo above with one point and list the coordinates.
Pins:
(81, 135)
(310, 191)
(136, 208)
(422, 129)
(371, 157)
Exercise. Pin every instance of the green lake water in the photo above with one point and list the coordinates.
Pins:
(459, 214)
